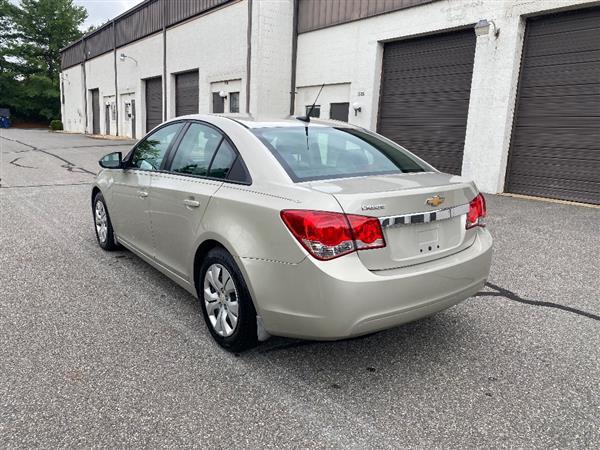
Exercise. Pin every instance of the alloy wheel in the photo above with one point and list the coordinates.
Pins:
(221, 300)
(101, 221)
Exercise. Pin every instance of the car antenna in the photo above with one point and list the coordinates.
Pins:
(306, 118)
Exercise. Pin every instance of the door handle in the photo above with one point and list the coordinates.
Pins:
(191, 203)
(142, 194)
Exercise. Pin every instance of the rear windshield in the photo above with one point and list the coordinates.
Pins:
(335, 153)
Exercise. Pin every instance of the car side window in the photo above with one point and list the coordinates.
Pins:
(149, 153)
(196, 150)
(223, 161)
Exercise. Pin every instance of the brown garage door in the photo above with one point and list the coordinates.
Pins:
(186, 93)
(154, 103)
(555, 148)
(95, 111)
(424, 99)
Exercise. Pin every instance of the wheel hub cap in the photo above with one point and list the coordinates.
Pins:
(221, 300)
(101, 221)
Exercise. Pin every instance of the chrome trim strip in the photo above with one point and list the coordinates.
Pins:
(424, 217)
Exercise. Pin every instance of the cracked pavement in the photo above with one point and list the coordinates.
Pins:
(99, 349)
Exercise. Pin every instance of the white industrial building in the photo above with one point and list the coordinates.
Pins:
(506, 92)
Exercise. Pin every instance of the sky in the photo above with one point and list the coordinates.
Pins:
(99, 11)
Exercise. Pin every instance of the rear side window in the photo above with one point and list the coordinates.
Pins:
(205, 152)
(223, 161)
(196, 150)
(335, 153)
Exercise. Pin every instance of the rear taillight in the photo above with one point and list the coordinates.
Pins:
(476, 212)
(327, 235)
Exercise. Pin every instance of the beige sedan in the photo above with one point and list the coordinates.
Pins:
(309, 230)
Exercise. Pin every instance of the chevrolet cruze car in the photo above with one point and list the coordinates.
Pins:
(309, 230)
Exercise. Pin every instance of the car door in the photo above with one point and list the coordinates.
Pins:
(131, 189)
(196, 170)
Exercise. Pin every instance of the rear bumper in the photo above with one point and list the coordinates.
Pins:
(341, 298)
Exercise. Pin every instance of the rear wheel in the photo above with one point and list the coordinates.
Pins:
(102, 224)
(226, 303)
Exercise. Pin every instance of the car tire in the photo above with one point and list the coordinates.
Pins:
(102, 224)
(226, 303)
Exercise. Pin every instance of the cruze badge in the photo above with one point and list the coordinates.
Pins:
(434, 201)
(372, 207)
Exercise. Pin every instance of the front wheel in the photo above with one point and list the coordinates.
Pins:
(102, 224)
(226, 303)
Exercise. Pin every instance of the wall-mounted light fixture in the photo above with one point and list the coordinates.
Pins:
(482, 27)
(357, 108)
(222, 94)
(123, 56)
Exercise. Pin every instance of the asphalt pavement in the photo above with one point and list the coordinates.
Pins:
(99, 349)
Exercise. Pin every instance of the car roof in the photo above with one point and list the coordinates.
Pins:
(267, 122)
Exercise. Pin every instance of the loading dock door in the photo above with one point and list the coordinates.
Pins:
(424, 96)
(95, 111)
(555, 145)
(154, 103)
(186, 93)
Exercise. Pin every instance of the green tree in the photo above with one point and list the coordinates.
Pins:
(38, 30)
(7, 69)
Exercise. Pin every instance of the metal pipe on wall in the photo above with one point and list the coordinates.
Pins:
(164, 30)
(294, 58)
(85, 104)
(248, 56)
(116, 83)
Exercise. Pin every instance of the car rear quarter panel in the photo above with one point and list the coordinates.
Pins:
(247, 220)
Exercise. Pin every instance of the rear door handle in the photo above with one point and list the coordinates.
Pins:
(142, 194)
(191, 203)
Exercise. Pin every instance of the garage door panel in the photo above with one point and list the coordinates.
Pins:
(452, 69)
(424, 98)
(453, 111)
(441, 58)
(572, 192)
(587, 187)
(563, 74)
(566, 22)
(432, 74)
(566, 138)
(553, 91)
(560, 106)
(430, 45)
(561, 43)
(429, 97)
(568, 169)
(569, 152)
(440, 84)
(555, 147)
(566, 58)
(582, 122)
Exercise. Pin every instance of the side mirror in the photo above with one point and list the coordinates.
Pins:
(112, 161)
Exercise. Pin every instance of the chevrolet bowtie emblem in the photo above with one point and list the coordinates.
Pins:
(434, 201)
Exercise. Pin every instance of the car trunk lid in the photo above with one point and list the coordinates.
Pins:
(423, 215)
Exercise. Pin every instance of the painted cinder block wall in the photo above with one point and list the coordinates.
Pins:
(352, 54)
(215, 44)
